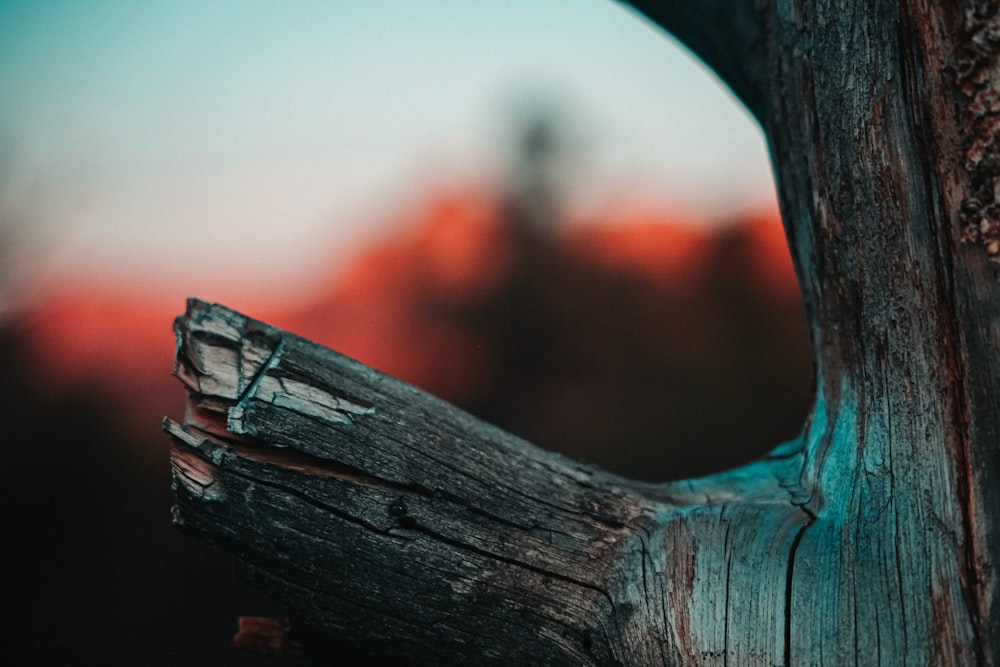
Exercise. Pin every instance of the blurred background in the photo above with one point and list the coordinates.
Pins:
(544, 211)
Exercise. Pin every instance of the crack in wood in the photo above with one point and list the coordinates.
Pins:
(789, 582)
(265, 368)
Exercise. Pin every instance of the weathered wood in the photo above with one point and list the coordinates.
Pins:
(391, 522)
(869, 132)
(387, 518)
(330, 477)
(882, 122)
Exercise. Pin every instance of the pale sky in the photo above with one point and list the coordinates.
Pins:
(253, 140)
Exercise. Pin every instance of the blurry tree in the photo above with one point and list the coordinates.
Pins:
(539, 167)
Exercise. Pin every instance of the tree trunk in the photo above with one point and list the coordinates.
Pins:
(393, 523)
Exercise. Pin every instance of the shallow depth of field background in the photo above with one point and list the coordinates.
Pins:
(544, 211)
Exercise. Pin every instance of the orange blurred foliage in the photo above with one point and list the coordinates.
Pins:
(540, 332)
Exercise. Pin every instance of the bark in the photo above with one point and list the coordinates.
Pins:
(391, 522)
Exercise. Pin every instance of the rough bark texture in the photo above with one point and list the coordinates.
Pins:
(391, 522)
(870, 131)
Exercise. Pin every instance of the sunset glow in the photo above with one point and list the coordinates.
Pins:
(455, 252)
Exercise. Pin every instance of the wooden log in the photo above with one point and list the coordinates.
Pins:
(391, 523)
